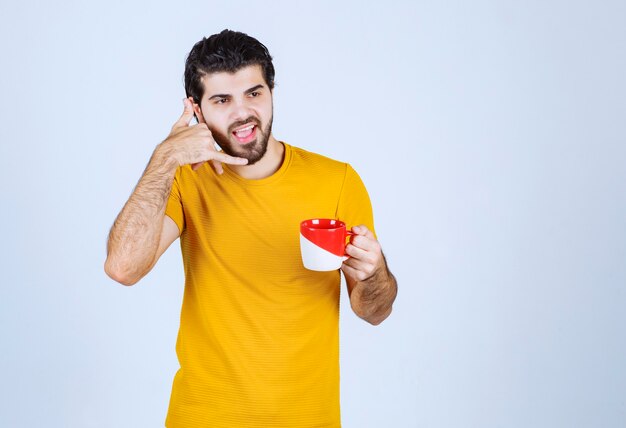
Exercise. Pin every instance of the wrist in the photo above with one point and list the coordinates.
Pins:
(164, 156)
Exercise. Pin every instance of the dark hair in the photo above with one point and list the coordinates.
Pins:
(227, 51)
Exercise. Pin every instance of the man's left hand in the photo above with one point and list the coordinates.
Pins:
(366, 260)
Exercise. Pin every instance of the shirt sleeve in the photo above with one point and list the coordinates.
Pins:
(174, 208)
(354, 207)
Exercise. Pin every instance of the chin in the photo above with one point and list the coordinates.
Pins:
(254, 151)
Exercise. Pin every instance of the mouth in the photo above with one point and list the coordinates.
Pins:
(246, 133)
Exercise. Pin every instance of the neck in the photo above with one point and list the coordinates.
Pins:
(264, 167)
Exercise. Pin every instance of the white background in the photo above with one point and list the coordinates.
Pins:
(490, 134)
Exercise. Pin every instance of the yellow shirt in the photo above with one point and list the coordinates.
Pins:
(258, 343)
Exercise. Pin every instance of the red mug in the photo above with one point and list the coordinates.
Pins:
(323, 243)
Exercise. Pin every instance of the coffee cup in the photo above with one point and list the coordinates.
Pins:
(323, 243)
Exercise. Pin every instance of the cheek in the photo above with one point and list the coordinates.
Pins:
(214, 117)
(216, 122)
(265, 111)
(220, 130)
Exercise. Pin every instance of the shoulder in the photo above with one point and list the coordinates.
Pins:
(183, 175)
(314, 161)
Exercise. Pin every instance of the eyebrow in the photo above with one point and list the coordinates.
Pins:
(252, 89)
(247, 91)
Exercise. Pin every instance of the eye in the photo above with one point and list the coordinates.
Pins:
(255, 94)
(221, 101)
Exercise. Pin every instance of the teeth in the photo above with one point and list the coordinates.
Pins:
(247, 128)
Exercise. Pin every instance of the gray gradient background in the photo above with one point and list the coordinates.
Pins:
(491, 136)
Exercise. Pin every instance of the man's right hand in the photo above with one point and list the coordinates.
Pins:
(195, 144)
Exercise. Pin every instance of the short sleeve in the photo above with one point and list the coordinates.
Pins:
(174, 208)
(354, 207)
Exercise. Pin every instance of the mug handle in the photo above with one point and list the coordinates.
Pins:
(348, 233)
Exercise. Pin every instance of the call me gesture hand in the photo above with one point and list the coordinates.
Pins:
(141, 232)
(371, 286)
(195, 144)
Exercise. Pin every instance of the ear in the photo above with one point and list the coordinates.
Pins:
(198, 111)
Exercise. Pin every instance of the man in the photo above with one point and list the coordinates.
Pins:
(258, 343)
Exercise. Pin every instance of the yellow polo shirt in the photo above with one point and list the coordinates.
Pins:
(258, 343)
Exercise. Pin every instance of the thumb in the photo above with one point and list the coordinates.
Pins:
(186, 116)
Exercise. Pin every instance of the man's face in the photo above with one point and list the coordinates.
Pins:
(237, 108)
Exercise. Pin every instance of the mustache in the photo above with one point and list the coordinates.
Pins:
(250, 119)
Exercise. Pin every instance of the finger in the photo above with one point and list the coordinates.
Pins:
(357, 269)
(356, 252)
(196, 165)
(354, 264)
(365, 243)
(362, 230)
(231, 160)
(349, 270)
(186, 116)
(218, 166)
(360, 254)
(356, 230)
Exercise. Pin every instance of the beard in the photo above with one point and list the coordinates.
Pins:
(254, 150)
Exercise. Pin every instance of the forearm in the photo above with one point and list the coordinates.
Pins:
(135, 234)
(372, 299)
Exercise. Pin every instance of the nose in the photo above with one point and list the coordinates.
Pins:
(241, 111)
